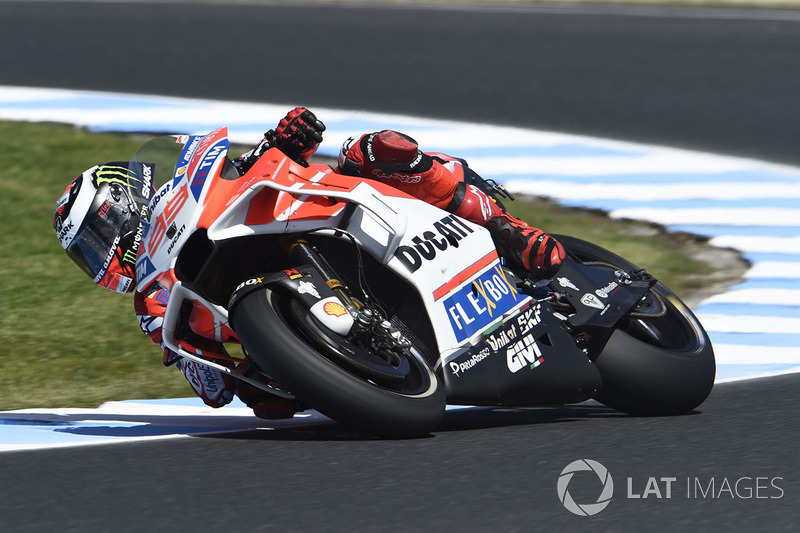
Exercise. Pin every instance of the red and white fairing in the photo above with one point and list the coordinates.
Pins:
(451, 262)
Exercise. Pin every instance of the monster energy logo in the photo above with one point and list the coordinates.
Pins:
(115, 174)
(131, 253)
(129, 257)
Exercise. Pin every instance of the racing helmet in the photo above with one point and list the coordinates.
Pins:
(98, 221)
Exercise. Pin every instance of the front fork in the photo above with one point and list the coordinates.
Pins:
(370, 327)
(301, 251)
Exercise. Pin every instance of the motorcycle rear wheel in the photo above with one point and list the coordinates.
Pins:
(661, 365)
(291, 346)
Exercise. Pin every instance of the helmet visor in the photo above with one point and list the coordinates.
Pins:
(110, 218)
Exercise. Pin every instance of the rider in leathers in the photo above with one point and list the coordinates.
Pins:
(390, 157)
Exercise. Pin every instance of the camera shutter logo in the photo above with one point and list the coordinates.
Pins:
(587, 509)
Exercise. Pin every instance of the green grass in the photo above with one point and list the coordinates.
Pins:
(667, 256)
(69, 343)
(66, 342)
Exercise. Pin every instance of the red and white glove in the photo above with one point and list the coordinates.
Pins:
(298, 134)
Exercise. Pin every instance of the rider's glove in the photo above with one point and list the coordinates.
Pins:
(298, 134)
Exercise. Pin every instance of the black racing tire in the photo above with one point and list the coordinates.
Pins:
(651, 366)
(268, 325)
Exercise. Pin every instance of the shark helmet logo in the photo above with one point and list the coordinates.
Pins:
(61, 221)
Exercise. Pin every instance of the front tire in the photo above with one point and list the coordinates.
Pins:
(661, 365)
(307, 359)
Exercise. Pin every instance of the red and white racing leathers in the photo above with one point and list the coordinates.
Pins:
(444, 181)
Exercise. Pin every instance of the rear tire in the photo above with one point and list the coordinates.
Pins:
(306, 358)
(651, 366)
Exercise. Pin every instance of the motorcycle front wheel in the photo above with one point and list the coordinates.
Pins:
(657, 365)
(368, 391)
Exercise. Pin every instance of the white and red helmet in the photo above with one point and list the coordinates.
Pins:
(98, 221)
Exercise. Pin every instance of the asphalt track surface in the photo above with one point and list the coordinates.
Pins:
(723, 83)
(481, 471)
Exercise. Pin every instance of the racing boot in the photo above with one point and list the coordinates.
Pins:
(525, 246)
(530, 247)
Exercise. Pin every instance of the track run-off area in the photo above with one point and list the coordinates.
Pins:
(748, 205)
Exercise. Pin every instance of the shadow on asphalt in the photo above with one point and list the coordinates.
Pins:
(310, 426)
(455, 420)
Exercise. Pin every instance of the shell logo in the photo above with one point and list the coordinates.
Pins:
(334, 309)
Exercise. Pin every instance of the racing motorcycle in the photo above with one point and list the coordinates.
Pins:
(378, 309)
